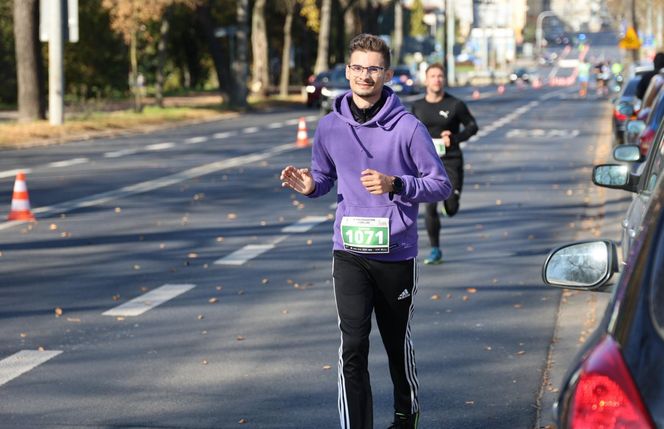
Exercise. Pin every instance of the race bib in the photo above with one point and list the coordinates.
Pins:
(440, 146)
(366, 234)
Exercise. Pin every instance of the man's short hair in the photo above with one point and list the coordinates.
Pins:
(435, 66)
(370, 43)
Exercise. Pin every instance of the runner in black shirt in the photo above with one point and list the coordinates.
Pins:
(449, 122)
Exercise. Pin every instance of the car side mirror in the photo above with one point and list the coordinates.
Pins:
(615, 176)
(626, 109)
(585, 265)
(627, 153)
(634, 128)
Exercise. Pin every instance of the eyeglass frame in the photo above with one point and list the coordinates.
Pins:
(358, 70)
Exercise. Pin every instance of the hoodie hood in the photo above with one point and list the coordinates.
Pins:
(386, 118)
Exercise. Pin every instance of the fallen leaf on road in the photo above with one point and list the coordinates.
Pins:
(200, 317)
(290, 281)
(521, 353)
(118, 210)
(499, 202)
(263, 223)
(116, 297)
(220, 239)
(470, 402)
(465, 298)
(53, 227)
(58, 312)
(265, 281)
(240, 338)
(213, 300)
(327, 366)
(488, 348)
(120, 318)
(205, 362)
(240, 292)
(435, 297)
(23, 335)
(284, 311)
(137, 267)
(199, 196)
(243, 421)
(569, 192)
(309, 242)
(192, 255)
(40, 349)
(73, 320)
(470, 248)
(162, 246)
(144, 289)
(219, 287)
(517, 306)
(231, 216)
(449, 296)
(471, 290)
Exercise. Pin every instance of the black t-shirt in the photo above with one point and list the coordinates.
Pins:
(449, 114)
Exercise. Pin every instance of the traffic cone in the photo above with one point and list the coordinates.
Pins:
(476, 95)
(20, 201)
(302, 137)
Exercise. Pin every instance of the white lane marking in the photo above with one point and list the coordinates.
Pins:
(148, 301)
(22, 362)
(160, 146)
(248, 252)
(120, 153)
(240, 256)
(151, 185)
(275, 125)
(250, 130)
(68, 163)
(12, 173)
(311, 118)
(224, 135)
(304, 224)
(194, 140)
(292, 122)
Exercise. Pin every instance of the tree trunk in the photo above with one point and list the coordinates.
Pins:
(285, 55)
(221, 66)
(398, 31)
(240, 63)
(31, 104)
(136, 81)
(324, 38)
(259, 69)
(161, 59)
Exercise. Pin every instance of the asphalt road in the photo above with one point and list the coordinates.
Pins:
(228, 317)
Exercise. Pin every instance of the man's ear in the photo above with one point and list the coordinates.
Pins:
(388, 74)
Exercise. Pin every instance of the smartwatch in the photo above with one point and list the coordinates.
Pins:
(397, 185)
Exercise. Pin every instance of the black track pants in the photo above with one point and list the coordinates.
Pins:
(361, 286)
(454, 169)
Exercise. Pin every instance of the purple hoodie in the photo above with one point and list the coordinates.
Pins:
(394, 143)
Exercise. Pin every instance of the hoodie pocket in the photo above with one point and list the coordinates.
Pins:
(375, 229)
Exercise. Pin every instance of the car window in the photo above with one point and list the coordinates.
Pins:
(657, 281)
(630, 88)
(655, 116)
(656, 167)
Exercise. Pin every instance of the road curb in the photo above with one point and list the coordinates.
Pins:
(578, 312)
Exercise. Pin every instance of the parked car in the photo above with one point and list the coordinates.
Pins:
(640, 181)
(314, 87)
(520, 74)
(625, 107)
(617, 379)
(403, 81)
(336, 85)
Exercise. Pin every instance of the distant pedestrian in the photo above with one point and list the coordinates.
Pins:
(583, 76)
(449, 123)
(658, 64)
(384, 163)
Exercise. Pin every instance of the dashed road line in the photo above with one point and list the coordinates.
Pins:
(160, 146)
(224, 135)
(275, 125)
(250, 130)
(120, 153)
(68, 163)
(148, 301)
(304, 224)
(195, 140)
(248, 252)
(12, 173)
(22, 362)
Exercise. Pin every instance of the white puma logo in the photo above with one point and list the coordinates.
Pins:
(444, 113)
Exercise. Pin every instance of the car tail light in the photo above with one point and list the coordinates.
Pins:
(605, 395)
(619, 116)
(645, 140)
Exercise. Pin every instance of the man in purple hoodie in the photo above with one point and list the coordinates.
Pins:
(385, 164)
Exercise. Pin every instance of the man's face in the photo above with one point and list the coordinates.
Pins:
(369, 83)
(434, 80)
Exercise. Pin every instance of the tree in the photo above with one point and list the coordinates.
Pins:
(240, 63)
(324, 38)
(259, 67)
(417, 26)
(289, 5)
(30, 98)
(130, 18)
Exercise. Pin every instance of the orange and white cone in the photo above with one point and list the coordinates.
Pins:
(20, 201)
(302, 137)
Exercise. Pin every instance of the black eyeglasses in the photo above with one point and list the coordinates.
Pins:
(357, 69)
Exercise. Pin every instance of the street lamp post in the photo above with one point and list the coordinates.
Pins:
(538, 29)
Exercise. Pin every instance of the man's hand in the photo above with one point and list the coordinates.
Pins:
(375, 182)
(298, 179)
(447, 138)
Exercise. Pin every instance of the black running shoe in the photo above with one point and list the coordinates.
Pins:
(405, 421)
